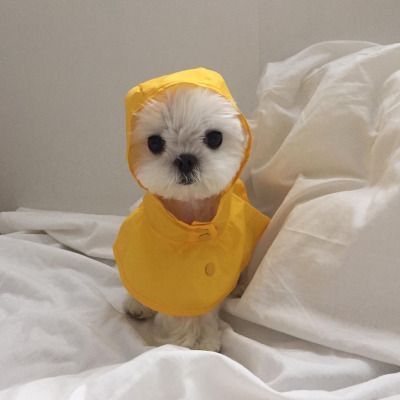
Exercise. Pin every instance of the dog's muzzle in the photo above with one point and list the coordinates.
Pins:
(187, 165)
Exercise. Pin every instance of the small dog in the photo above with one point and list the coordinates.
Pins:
(192, 145)
(182, 250)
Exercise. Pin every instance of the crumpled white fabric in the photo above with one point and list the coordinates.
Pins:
(90, 234)
(64, 336)
(326, 163)
(176, 373)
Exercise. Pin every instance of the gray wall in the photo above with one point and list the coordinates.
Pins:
(65, 67)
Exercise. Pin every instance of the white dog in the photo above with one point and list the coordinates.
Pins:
(191, 146)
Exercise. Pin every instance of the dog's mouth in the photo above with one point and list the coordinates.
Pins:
(187, 179)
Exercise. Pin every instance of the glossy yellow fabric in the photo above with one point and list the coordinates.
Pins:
(177, 268)
(181, 269)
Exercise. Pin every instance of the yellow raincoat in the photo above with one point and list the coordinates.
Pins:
(177, 268)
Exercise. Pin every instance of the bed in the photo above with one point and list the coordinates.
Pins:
(320, 315)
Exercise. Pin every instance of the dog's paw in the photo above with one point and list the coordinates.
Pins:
(209, 343)
(197, 333)
(210, 337)
(137, 310)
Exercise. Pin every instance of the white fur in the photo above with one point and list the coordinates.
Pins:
(182, 116)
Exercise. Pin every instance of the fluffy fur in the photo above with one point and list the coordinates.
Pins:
(182, 117)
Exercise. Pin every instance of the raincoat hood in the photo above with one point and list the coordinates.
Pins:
(138, 96)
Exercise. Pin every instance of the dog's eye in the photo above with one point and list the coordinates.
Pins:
(156, 144)
(213, 139)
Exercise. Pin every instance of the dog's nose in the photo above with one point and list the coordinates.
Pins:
(186, 163)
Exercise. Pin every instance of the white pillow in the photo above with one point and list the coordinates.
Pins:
(326, 164)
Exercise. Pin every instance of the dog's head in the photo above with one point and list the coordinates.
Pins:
(188, 143)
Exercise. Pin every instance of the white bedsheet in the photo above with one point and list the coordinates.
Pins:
(327, 159)
(64, 336)
(63, 332)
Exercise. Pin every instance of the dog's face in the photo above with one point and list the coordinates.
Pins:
(187, 144)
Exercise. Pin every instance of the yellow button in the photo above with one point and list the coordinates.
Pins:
(209, 269)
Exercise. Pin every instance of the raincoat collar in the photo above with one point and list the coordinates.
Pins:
(169, 227)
